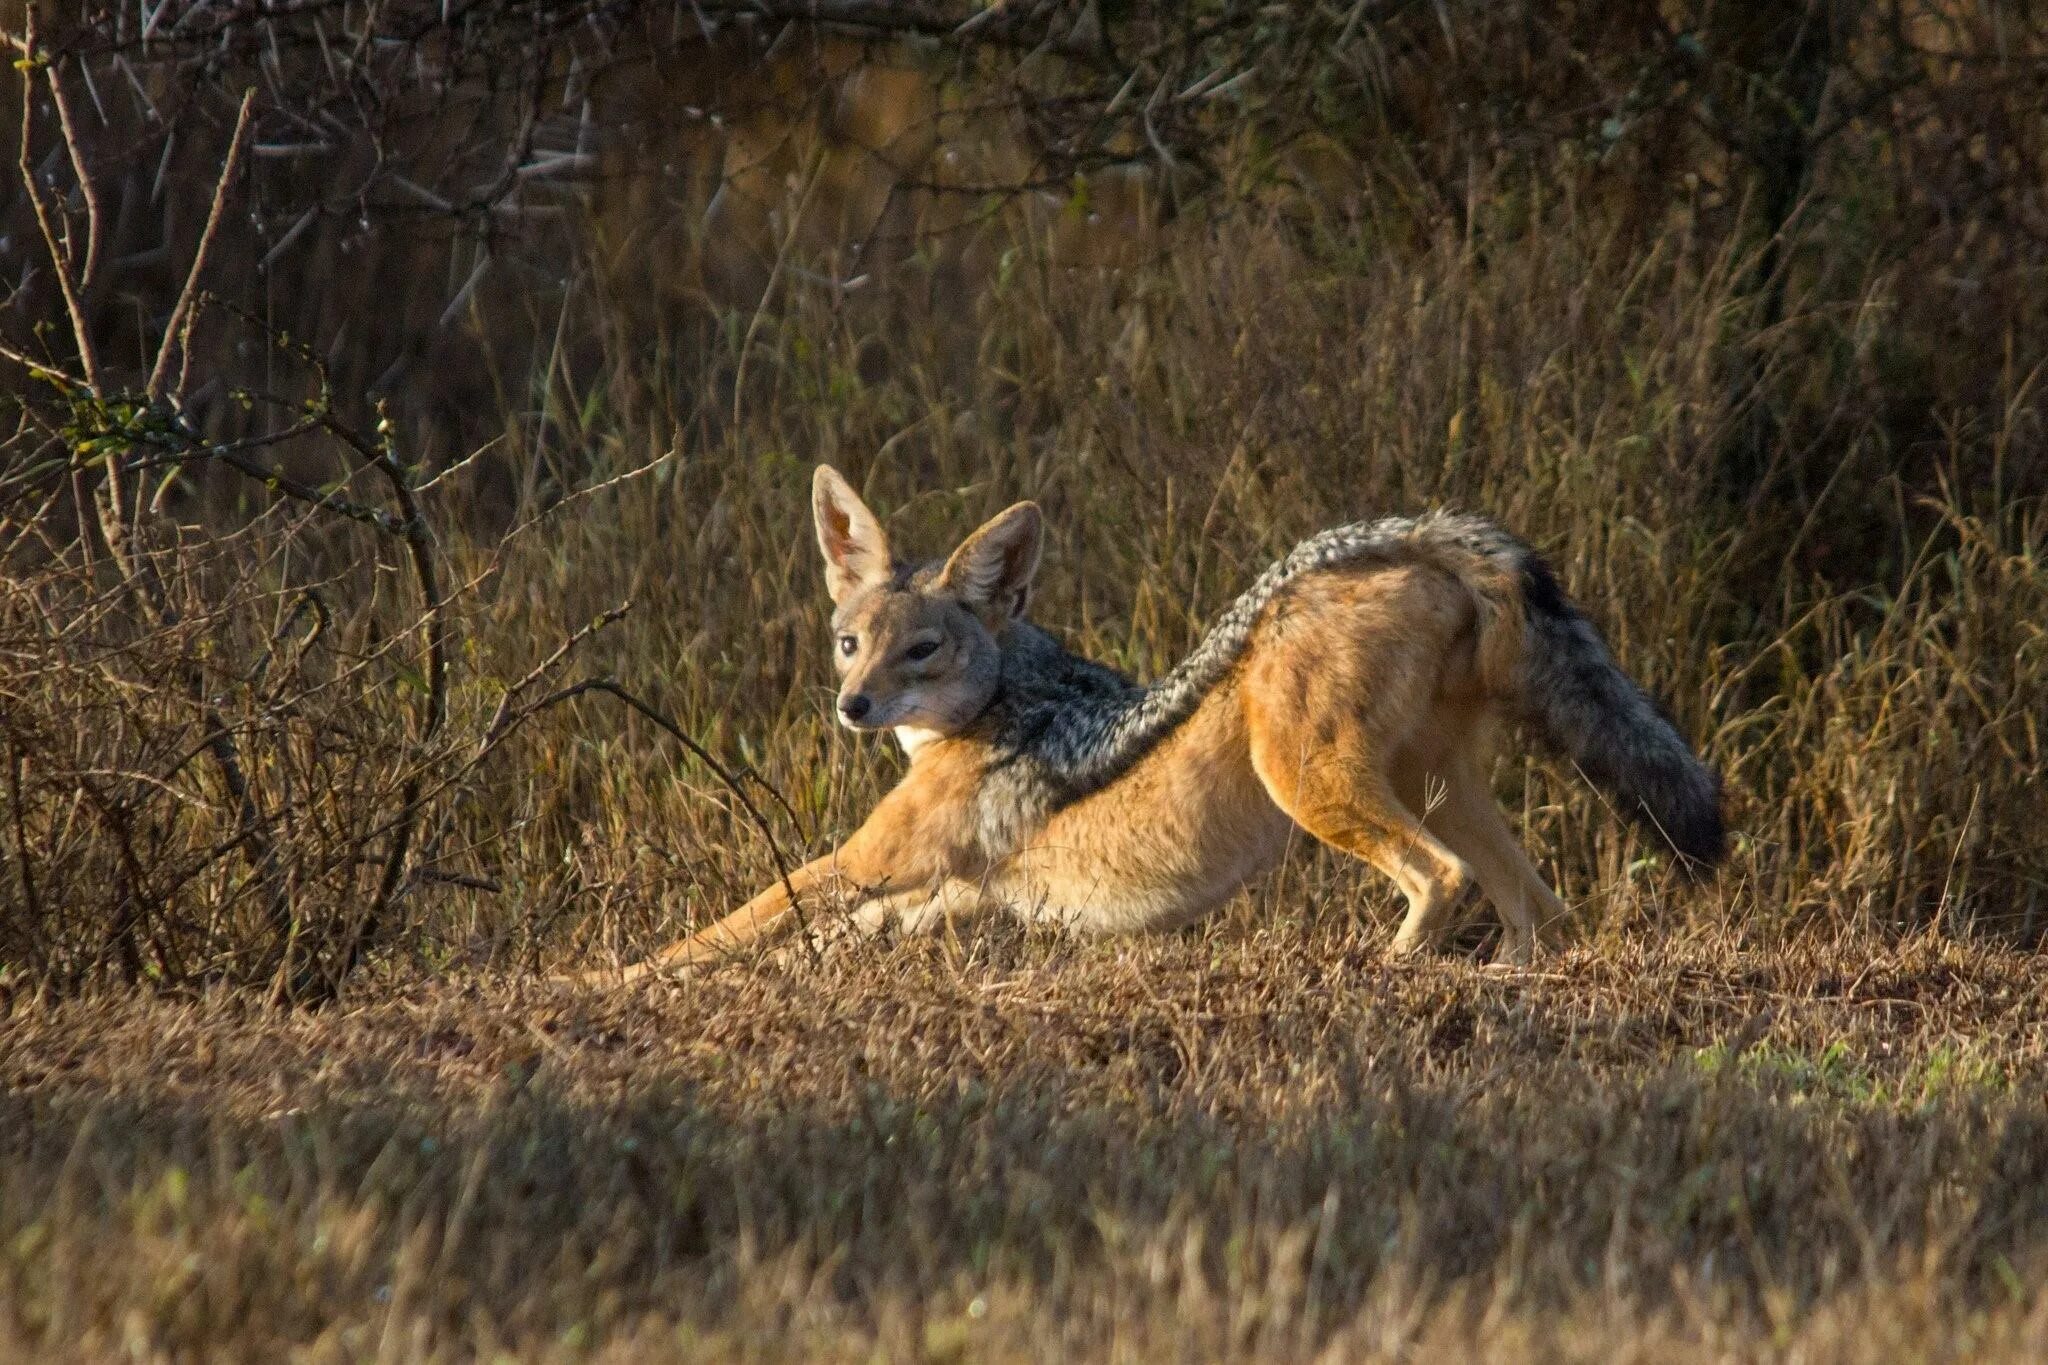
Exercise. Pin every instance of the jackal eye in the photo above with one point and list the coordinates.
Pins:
(849, 645)
(922, 650)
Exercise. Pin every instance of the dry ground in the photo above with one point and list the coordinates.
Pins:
(1252, 1140)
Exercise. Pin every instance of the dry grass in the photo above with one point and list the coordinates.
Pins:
(1252, 1141)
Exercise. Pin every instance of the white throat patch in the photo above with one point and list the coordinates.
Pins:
(913, 738)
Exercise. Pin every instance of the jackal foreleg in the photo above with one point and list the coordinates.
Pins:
(915, 840)
(786, 905)
(923, 909)
(919, 839)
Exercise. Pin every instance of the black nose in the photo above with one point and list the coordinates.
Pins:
(855, 706)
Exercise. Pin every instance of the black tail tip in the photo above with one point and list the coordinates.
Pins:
(1701, 842)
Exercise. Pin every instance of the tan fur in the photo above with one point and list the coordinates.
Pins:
(1364, 711)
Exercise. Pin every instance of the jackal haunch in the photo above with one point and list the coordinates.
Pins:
(1355, 691)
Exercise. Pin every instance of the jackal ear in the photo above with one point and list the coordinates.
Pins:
(991, 571)
(856, 551)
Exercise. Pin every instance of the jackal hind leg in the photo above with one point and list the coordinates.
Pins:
(1341, 797)
(1470, 823)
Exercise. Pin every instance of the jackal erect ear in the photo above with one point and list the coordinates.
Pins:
(856, 551)
(991, 571)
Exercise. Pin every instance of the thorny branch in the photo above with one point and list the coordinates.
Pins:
(506, 723)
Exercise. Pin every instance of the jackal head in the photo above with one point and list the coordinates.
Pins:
(916, 646)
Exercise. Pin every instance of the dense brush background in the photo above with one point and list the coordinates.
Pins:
(1737, 311)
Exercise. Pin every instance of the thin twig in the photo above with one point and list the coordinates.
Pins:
(682, 737)
(174, 327)
(501, 720)
(74, 306)
(278, 481)
(93, 218)
(31, 902)
(419, 543)
(796, 219)
(46, 221)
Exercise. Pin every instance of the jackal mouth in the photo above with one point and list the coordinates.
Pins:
(872, 714)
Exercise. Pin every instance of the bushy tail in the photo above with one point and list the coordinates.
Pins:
(1576, 696)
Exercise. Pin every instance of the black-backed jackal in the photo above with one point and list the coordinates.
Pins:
(1355, 691)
